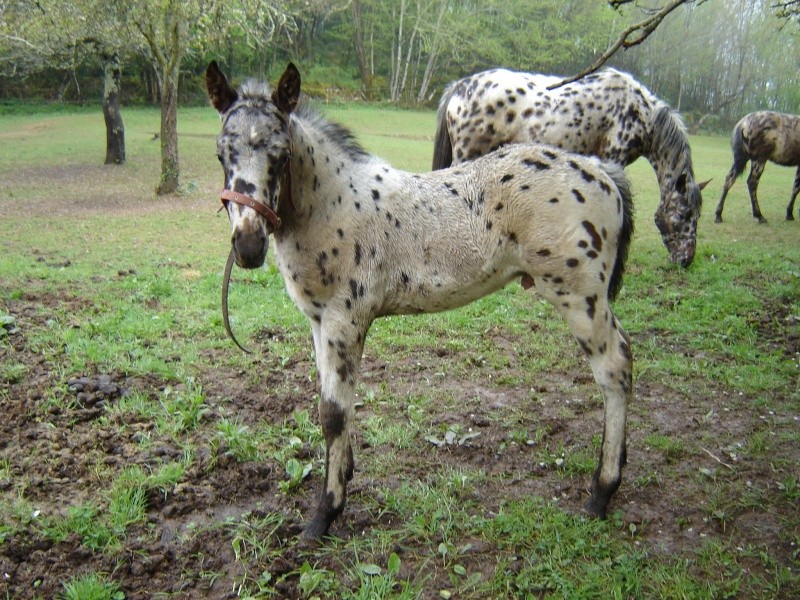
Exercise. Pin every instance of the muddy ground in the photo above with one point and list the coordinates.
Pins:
(161, 554)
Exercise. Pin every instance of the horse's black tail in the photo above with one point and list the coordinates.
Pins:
(740, 157)
(626, 231)
(442, 146)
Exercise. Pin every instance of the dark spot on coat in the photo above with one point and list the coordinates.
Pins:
(597, 241)
(333, 420)
(591, 302)
(535, 164)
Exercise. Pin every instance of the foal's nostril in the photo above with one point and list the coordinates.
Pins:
(249, 248)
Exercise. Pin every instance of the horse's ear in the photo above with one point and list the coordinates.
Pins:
(287, 93)
(220, 92)
(703, 184)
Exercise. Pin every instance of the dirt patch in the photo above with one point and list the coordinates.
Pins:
(185, 549)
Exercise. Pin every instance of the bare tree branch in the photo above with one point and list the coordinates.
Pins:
(786, 9)
(632, 36)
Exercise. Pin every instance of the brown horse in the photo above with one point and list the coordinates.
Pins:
(759, 137)
(356, 239)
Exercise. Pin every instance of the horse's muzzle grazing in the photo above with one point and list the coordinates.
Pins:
(249, 248)
(682, 255)
(680, 244)
(688, 256)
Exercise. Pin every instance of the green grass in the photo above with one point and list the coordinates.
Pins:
(140, 295)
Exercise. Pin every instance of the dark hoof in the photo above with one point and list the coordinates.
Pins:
(789, 217)
(315, 529)
(595, 508)
(718, 219)
(308, 543)
(761, 221)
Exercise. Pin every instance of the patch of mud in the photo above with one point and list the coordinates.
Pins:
(56, 452)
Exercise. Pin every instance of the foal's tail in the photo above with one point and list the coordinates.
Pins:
(442, 146)
(626, 231)
(740, 155)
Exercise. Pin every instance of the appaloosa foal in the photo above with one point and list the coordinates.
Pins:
(356, 239)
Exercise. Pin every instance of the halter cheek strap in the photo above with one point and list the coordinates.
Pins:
(265, 211)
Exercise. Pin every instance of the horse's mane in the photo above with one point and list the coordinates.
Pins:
(259, 94)
(669, 136)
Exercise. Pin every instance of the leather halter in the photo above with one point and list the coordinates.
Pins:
(273, 220)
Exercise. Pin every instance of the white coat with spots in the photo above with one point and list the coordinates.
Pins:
(606, 114)
(356, 239)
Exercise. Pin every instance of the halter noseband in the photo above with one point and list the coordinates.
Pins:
(265, 211)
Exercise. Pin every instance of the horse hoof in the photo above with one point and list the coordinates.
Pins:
(594, 509)
(762, 221)
(789, 217)
(308, 543)
(718, 219)
(316, 529)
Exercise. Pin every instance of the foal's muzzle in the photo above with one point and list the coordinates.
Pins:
(250, 246)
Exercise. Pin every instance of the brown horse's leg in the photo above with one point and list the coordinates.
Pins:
(338, 359)
(756, 169)
(730, 178)
(795, 190)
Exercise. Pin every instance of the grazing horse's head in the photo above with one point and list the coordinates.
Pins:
(254, 150)
(681, 201)
(677, 215)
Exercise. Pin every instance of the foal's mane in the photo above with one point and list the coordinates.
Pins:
(339, 135)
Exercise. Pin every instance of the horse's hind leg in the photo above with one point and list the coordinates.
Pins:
(756, 169)
(608, 349)
(730, 178)
(795, 190)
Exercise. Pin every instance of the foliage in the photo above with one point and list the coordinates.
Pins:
(720, 58)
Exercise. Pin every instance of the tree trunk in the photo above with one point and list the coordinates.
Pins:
(170, 165)
(361, 54)
(433, 54)
(115, 129)
(169, 65)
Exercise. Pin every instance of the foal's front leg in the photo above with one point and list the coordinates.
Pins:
(338, 355)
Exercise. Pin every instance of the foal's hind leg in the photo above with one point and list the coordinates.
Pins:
(608, 349)
(338, 355)
(756, 169)
(795, 190)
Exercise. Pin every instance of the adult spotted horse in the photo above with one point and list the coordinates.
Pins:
(356, 239)
(759, 137)
(606, 114)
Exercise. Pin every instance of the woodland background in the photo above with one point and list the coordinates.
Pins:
(713, 60)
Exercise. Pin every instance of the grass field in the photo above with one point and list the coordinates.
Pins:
(143, 456)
